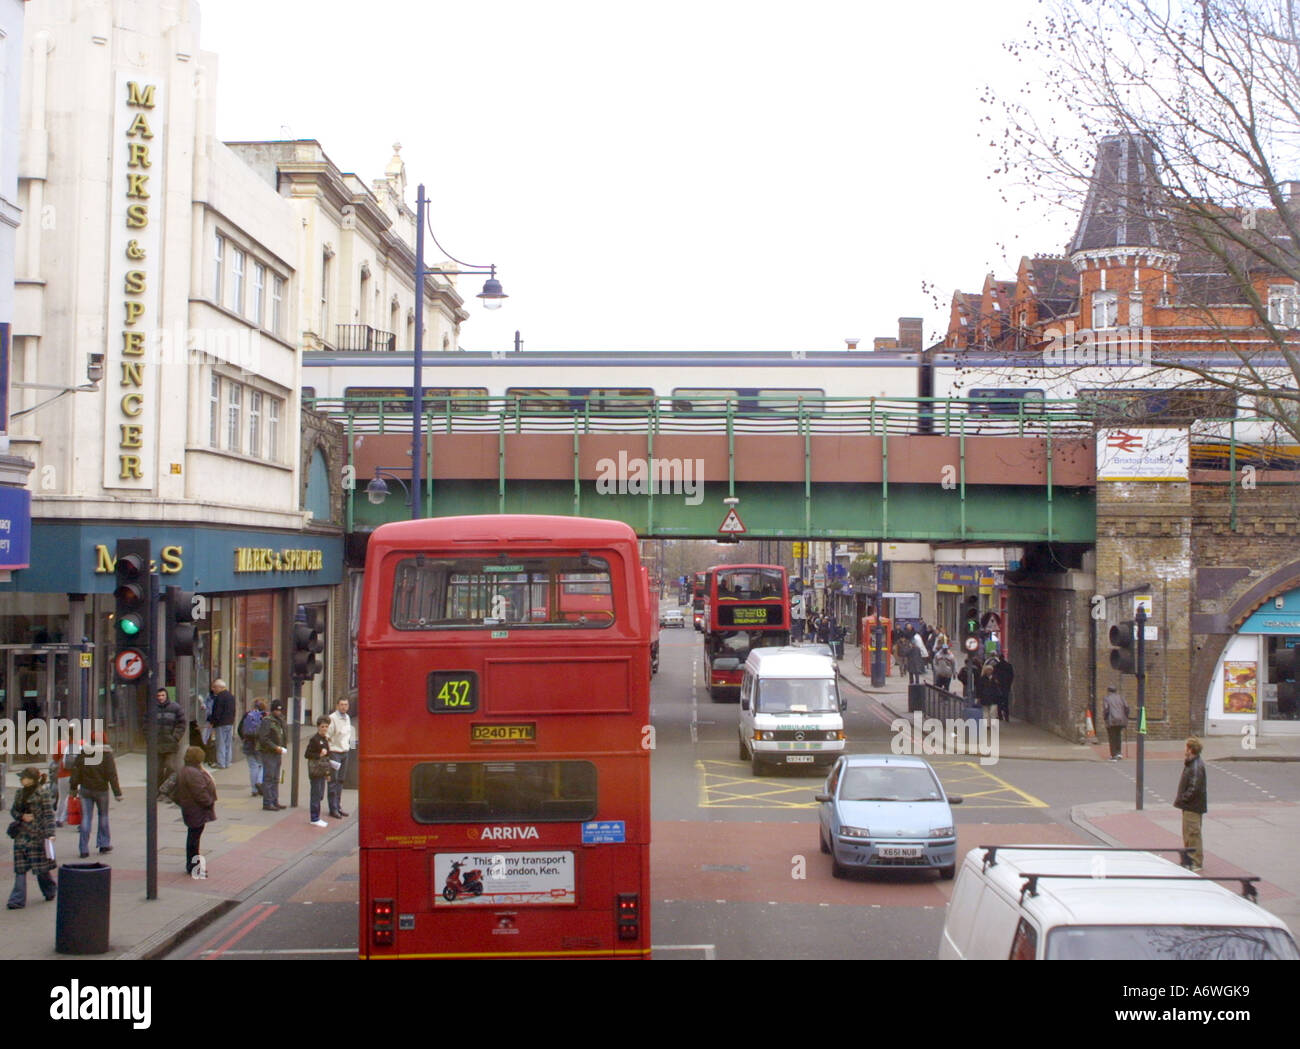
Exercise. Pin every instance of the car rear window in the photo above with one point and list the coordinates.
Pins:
(1171, 942)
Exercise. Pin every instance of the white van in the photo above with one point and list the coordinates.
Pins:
(790, 709)
(1083, 902)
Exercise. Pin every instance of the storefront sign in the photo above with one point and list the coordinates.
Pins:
(15, 528)
(248, 559)
(134, 281)
(964, 575)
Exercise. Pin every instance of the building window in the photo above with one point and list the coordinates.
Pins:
(324, 296)
(218, 265)
(277, 302)
(254, 422)
(237, 260)
(1284, 305)
(234, 412)
(1105, 309)
(1135, 319)
(214, 419)
(259, 292)
(273, 429)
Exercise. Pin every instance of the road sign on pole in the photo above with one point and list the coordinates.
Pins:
(731, 524)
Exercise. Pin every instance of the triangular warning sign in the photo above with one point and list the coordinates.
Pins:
(731, 524)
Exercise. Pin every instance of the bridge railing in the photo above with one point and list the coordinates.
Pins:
(951, 417)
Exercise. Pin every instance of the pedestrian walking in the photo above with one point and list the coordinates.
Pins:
(915, 662)
(91, 783)
(196, 794)
(33, 833)
(1114, 708)
(319, 768)
(60, 769)
(222, 719)
(1192, 800)
(272, 737)
(986, 691)
(1004, 674)
(944, 667)
(970, 672)
(248, 727)
(340, 753)
(172, 727)
(901, 648)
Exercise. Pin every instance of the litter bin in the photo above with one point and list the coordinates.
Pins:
(81, 924)
(915, 698)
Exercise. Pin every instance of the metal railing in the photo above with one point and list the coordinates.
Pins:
(362, 338)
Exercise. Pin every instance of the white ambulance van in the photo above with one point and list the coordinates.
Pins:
(790, 709)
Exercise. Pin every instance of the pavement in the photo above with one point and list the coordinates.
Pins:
(1258, 838)
(245, 849)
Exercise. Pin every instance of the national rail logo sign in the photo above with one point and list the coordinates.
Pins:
(1142, 455)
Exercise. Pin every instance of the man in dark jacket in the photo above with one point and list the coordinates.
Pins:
(1114, 709)
(1191, 798)
(272, 744)
(172, 727)
(222, 720)
(1003, 675)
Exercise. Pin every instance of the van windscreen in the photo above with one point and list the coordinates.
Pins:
(796, 696)
(1174, 942)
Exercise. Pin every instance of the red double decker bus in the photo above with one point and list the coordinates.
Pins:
(745, 607)
(504, 767)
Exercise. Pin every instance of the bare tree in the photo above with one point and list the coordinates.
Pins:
(1208, 93)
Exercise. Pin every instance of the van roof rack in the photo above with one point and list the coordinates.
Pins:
(991, 851)
(1248, 889)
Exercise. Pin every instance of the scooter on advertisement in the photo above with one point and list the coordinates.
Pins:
(455, 887)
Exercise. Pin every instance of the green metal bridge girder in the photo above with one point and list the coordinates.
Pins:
(777, 510)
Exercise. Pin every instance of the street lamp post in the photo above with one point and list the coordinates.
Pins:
(492, 297)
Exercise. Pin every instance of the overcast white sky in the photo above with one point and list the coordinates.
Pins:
(705, 174)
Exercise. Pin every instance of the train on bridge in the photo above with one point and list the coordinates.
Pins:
(890, 391)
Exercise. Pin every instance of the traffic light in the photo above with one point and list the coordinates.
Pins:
(133, 604)
(1286, 669)
(307, 642)
(180, 622)
(970, 621)
(1123, 656)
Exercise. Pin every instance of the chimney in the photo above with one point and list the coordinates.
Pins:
(1291, 191)
(885, 342)
(909, 334)
(852, 343)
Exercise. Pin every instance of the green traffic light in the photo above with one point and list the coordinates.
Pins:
(130, 626)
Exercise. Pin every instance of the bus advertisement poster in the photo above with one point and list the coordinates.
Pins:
(514, 879)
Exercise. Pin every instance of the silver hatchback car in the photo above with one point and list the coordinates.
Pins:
(883, 811)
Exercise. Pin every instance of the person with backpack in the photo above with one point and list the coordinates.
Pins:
(248, 727)
(944, 668)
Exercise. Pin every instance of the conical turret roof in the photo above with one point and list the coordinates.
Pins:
(1123, 208)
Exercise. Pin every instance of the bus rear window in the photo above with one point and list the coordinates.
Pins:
(503, 791)
(491, 593)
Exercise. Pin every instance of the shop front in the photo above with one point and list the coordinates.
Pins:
(1254, 687)
(56, 620)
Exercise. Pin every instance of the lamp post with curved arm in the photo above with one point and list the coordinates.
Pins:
(492, 297)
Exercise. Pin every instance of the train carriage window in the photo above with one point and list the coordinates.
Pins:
(699, 399)
(789, 401)
(1158, 406)
(750, 399)
(1005, 401)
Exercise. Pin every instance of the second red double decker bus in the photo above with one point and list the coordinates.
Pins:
(504, 671)
(745, 607)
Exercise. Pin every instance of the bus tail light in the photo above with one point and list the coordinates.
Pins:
(381, 922)
(629, 916)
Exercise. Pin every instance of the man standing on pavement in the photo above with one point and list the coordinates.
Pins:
(222, 719)
(272, 740)
(171, 727)
(339, 738)
(1115, 710)
(1191, 798)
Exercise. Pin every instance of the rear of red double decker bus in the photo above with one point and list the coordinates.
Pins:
(746, 607)
(504, 767)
